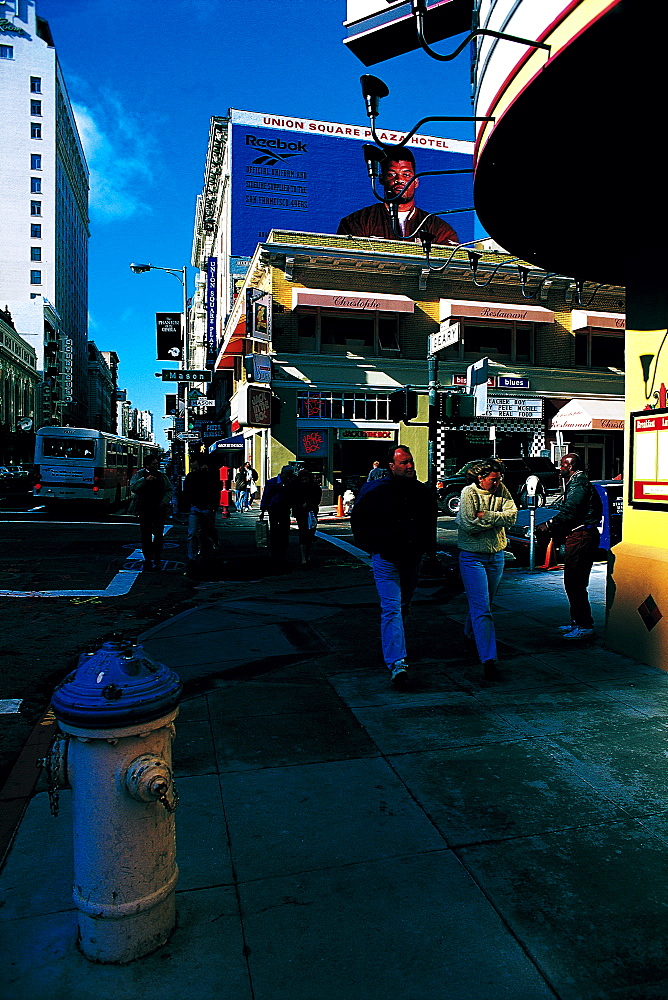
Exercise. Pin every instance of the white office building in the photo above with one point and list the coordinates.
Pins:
(44, 233)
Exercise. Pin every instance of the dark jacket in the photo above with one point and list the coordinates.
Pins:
(152, 491)
(306, 499)
(580, 505)
(396, 518)
(201, 488)
(375, 221)
(278, 496)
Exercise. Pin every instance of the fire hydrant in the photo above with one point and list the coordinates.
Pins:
(116, 712)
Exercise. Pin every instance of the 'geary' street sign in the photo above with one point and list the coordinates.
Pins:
(445, 337)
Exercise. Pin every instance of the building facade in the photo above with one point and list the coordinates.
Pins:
(18, 392)
(44, 237)
(351, 324)
(101, 391)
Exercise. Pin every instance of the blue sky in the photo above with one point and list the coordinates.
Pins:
(145, 79)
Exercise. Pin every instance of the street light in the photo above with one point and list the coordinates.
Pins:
(181, 274)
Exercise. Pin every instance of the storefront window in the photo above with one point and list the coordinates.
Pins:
(499, 341)
(599, 350)
(338, 332)
(343, 406)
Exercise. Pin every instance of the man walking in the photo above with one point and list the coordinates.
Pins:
(394, 519)
(277, 500)
(576, 525)
(201, 491)
(152, 493)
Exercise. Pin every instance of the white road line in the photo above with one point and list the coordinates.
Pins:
(119, 586)
(10, 706)
(346, 546)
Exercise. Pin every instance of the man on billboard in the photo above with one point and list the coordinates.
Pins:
(375, 220)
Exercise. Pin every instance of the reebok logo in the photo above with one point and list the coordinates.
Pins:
(280, 150)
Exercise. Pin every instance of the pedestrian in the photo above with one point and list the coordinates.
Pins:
(277, 500)
(394, 519)
(152, 494)
(307, 497)
(576, 526)
(201, 492)
(251, 483)
(377, 471)
(486, 509)
(241, 490)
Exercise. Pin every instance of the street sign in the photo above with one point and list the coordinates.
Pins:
(476, 384)
(188, 436)
(186, 375)
(445, 337)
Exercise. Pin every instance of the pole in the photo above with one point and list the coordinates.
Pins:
(184, 365)
(532, 540)
(433, 422)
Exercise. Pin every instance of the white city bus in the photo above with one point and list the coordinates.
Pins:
(77, 463)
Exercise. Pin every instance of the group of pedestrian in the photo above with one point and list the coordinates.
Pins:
(394, 519)
(245, 487)
(291, 494)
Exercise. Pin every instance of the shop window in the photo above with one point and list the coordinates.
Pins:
(388, 333)
(500, 342)
(599, 350)
(306, 331)
(340, 333)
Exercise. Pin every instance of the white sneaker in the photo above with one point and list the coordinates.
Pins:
(400, 677)
(579, 633)
(567, 628)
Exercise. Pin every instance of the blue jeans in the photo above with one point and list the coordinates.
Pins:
(481, 575)
(202, 534)
(395, 585)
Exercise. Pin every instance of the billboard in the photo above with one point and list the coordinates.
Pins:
(169, 336)
(307, 175)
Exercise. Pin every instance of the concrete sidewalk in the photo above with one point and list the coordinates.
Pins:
(339, 839)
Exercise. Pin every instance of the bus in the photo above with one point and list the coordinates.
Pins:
(79, 464)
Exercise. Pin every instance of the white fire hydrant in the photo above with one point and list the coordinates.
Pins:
(117, 713)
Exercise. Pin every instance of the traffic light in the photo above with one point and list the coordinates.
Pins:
(403, 405)
(455, 408)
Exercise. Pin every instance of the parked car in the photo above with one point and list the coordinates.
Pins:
(515, 474)
(15, 479)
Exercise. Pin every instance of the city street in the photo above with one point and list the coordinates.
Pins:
(92, 566)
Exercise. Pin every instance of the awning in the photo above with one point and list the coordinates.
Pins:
(498, 311)
(331, 298)
(590, 415)
(581, 319)
(228, 444)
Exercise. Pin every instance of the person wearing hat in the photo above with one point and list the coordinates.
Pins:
(277, 500)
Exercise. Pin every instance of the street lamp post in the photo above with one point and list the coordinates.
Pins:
(181, 275)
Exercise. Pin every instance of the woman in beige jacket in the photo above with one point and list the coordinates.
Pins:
(486, 509)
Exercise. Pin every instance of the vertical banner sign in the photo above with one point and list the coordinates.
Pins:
(211, 310)
(168, 336)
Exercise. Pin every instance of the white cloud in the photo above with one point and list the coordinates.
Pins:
(119, 156)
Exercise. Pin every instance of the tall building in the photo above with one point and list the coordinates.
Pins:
(44, 236)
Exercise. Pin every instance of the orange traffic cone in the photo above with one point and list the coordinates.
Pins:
(550, 557)
(339, 506)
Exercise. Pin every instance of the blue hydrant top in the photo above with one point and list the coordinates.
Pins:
(117, 686)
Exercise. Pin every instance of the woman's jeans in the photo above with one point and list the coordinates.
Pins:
(395, 584)
(481, 575)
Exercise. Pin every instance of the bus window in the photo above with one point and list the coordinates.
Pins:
(67, 448)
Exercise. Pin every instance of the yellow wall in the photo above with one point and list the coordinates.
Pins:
(639, 564)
